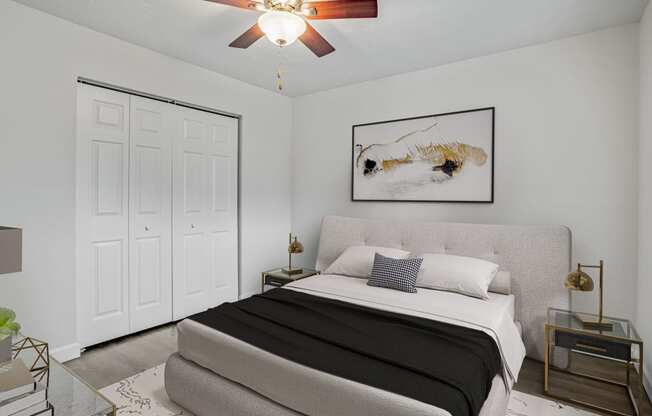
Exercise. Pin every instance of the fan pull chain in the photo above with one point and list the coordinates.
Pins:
(279, 70)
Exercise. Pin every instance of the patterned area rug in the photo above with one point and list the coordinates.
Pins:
(144, 394)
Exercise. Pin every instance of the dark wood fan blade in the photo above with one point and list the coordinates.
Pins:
(243, 4)
(248, 38)
(342, 9)
(316, 42)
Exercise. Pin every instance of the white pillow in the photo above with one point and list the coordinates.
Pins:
(465, 275)
(357, 261)
(502, 283)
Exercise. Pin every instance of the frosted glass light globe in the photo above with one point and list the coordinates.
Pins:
(281, 27)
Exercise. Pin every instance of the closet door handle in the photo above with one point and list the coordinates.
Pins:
(146, 228)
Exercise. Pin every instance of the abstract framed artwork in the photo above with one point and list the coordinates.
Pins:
(438, 158)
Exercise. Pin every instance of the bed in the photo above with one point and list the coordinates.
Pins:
(215, 373)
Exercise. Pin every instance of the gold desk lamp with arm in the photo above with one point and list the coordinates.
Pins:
(581, 281)
(294, 247)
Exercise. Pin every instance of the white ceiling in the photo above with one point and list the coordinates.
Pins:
(408, 35)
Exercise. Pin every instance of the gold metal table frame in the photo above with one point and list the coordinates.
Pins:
(551, 328)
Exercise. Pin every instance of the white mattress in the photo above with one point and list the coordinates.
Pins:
(313, 392)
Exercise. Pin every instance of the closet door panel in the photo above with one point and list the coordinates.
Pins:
(190, 206)
(150, 271)
(108, 278)
(204, 212)
(223, 267)
(194, 194)
(221, 182)
(195, 272)
(107, 172)
(148, 161)
(102, 214)
(223, 213)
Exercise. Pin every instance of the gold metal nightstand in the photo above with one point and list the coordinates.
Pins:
(278, 278)
(621, 344)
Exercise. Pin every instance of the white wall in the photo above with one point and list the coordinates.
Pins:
(566, 145)
(41, 56)
(645, 194)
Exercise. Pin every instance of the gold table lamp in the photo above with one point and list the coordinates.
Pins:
(294, 247)
(579, 280)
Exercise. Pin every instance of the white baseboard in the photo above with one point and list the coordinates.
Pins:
(66, 353)
(248, 295)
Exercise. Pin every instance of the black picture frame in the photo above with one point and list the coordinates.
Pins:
(493, 151)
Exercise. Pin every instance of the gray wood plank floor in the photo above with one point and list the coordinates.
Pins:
(111, 362)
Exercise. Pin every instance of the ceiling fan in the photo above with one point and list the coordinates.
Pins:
(284, 21)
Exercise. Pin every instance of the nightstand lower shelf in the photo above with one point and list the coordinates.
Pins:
(614, 384)
(627, 405)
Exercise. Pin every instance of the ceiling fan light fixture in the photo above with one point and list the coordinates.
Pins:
(282, 27)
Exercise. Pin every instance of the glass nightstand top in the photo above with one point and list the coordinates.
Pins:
(279, 273)
(622, 328)
(71, 396)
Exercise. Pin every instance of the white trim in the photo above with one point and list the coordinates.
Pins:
(248, 295)
(66, 352)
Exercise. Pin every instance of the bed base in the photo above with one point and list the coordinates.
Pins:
(205, 393)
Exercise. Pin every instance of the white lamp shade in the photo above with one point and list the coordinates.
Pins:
(281, 27)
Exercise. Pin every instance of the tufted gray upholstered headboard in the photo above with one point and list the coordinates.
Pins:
(538, 257)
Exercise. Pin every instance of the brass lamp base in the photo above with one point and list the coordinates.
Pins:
(292, 271)
(597, 325)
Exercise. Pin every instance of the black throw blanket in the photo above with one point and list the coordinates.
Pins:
(444, 365)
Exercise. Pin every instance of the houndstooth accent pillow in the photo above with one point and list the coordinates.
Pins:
(399, 274)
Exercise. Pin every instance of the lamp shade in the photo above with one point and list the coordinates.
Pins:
(11, 250)
(295, 247)
(578, 280)
(281, 27)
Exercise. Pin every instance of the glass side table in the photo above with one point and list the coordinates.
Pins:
(68, 394)
(278, 278)
(621, 344)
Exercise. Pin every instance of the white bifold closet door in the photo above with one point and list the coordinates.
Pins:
(205, 167)
(156, 212)
(150, 211)
(102, 214)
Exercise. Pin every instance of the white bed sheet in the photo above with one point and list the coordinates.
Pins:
(494, 316)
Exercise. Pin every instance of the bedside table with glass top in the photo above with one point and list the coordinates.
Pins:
(68, 393)
(621, 344)
(278, 278)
